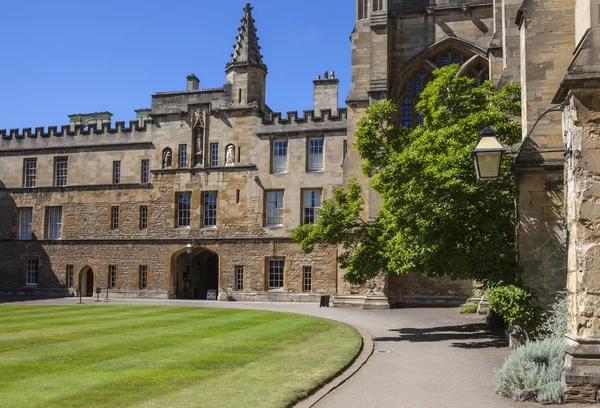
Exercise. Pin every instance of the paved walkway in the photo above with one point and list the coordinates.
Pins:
(424, 358)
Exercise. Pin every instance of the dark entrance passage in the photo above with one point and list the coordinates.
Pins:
(86, 282)
(198, 273)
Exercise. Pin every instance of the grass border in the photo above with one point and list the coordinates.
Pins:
(315, 395)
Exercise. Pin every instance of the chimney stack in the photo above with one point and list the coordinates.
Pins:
(193, 83)
(326, 93)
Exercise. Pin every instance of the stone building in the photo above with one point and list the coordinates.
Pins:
(202, 190)
(199, 193)
(552, 49)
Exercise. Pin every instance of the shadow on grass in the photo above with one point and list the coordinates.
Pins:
(466, 336)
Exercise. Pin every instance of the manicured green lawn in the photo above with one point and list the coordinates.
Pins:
(129, 356)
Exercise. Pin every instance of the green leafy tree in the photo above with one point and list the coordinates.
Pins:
(436, 218)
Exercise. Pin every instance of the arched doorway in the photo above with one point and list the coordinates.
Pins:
(197, 273)
(86, 281)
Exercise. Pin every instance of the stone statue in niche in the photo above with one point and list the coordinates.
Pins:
(198, 146)
(198, 118)
(230, 158)
(167, 158)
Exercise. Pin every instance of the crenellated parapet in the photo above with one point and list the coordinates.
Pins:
(309, 116)
(75, 130)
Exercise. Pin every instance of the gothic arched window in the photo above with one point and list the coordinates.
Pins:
(414, 86)
(416, 83)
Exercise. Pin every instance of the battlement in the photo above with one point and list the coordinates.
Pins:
(75, 130)
(292, 117)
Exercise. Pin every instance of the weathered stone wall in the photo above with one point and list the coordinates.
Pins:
(160, 259)
(414, 288)
(540, 231)
(413, 33)
(583, 221)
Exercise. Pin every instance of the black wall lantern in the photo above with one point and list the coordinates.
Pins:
(488, 155)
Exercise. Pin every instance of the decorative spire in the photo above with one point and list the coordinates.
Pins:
(246, 51)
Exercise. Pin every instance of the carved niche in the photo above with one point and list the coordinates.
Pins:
(198, 134)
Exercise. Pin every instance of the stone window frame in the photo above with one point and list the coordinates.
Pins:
(310, 155)
(112, 277)
(53, 230)
(303, 208)
(21, 212)
(116, 172)
(182, 156)
(214, 154)
(29, 172)
(114, 217)
(274, 149)
(362, 11)
(443, 52)
(266, 209)
(307, 279)
(61, 171)
(209, 216)
(239, 277)
(143, 277)
(143, 217)
(32, 264)
(70, 276)
(145, 174)
(344, 149)
(178, 209)
(269, 268)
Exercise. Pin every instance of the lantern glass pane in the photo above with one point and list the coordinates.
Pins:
(488, 164)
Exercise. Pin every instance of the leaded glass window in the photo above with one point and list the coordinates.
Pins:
(209, 208)
(276, 273)
(183, 210)
(280, 148)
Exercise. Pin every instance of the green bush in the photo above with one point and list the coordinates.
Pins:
(555, 321)
(513, 304)
(468, 308)
(533, 371)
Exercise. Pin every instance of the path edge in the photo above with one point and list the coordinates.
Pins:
(336, 380)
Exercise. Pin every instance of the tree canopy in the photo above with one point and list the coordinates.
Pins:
(436, 218)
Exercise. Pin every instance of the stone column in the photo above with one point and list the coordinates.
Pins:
(582, 362)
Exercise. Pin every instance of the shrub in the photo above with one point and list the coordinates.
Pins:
(533, 371)
(555, 321)
(468, 308)
(513, 304)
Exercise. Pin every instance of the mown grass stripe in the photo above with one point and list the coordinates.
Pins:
(267, 383)
(98, 326)
(15, 315)
(164, 362)
(198, 353)
(116, 344)
(71, 316)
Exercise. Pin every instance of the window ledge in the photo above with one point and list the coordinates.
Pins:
(315, 171)
(274, 227)
(276, 290)
(31, 285)
(210, 228)
(281, 173)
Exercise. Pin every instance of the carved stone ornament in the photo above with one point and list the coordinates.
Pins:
(167, 158)
(230, 158)
(198, 119)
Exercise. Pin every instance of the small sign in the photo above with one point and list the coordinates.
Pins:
(211, 294)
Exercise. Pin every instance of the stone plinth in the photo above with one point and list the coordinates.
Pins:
(376, 302)
(582, 369)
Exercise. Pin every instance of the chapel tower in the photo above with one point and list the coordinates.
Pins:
(246, 72)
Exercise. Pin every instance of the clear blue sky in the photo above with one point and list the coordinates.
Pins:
(77, 56)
